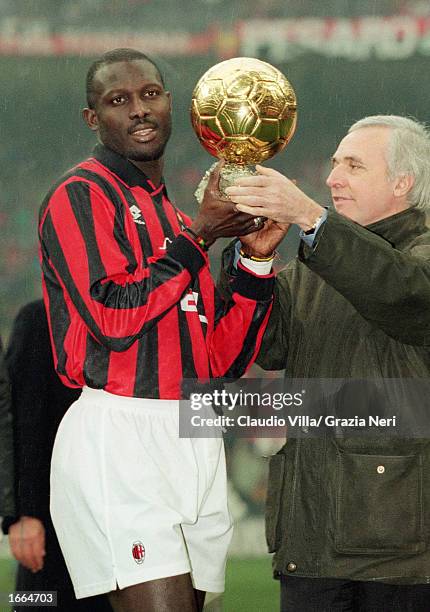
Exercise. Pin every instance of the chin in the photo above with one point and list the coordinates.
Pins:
(145, 156)
(349, 214)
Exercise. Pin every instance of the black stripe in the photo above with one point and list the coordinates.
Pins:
(147, 375)
(114, 198)
(59, 328)
(185, 251)
(57, 255)
(200, 304)
(80, 201)
(96, 364)
(238, 366)
(142, 230)
(188, 367)
(135, 294)
(252, 286)
(162, 217)
(222, 307)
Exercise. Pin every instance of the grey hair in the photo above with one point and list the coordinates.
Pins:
(408, 153)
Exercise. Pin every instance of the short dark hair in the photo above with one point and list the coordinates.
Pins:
(112, 57)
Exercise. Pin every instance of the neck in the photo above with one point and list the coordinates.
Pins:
(153, 169)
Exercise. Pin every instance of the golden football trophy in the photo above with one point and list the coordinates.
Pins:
(243, 110)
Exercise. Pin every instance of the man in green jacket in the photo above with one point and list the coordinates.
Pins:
(349, 517)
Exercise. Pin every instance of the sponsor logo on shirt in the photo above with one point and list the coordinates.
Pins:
(189, 304)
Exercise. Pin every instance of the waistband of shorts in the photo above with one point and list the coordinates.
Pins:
(136, 403)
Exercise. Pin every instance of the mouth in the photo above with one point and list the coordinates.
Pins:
(340, 199)
(143, 133)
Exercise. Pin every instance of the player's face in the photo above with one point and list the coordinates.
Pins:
(359, 183)
(132, 113)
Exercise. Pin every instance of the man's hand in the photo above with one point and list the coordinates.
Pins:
(27, 542)
(217, 216)
(264, 242)
(270, 194)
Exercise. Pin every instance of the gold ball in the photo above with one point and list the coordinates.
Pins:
(244, 110)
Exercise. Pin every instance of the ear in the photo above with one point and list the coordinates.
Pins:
(403, 185)
(90, 117)
(169, 95)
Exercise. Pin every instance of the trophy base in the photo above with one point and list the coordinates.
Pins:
(229, 174)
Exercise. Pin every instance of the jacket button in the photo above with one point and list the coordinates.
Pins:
(380, 469)
(291, 567)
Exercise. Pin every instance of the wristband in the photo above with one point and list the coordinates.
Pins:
(254, 258)
(201, 242)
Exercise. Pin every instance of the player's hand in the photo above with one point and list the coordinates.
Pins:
(27, 542)
(271, 194)
(263, 242)
(217, 216)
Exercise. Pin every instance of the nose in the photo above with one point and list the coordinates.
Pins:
(138, 108)
(336, 178)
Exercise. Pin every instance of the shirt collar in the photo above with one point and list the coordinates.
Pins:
(400, 228)
(125, 170)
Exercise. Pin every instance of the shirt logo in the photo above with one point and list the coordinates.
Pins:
(138, 552)
(137, 215)
(189, 304)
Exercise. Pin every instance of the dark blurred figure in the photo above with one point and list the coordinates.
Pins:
(39, 402)
(6, 444)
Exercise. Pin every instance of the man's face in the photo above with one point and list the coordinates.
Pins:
(132, 113)
(359, 183)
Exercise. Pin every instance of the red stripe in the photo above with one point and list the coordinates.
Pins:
(200, 356)
(75, 346)
(225, 345)
(207, 290)
(122, 371)
(169, 358)
(171, 215)
(259, 338)
(153, 225)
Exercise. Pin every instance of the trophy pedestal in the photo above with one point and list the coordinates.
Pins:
(229, 174)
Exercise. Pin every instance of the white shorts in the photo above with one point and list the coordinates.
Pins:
(131, 501)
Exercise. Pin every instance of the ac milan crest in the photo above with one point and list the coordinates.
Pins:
(138, 552)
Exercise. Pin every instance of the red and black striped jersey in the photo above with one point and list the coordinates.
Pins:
(131, 303)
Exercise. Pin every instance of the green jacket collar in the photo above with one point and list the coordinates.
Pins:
(401, 228)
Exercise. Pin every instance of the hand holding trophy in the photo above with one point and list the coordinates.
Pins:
(244, 111)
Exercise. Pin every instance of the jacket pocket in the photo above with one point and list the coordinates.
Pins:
(274, 500)
(379, 504)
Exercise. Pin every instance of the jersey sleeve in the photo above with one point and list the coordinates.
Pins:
(89, 247)
(242, 309)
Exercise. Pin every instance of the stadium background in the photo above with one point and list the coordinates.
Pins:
(345, 59)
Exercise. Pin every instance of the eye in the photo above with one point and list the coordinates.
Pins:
(152, 93)
(117, 100)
